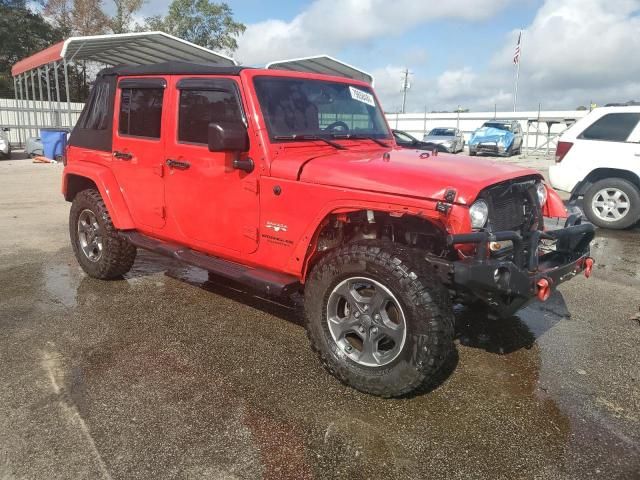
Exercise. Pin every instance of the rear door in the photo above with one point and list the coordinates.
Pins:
(208, 201)
(138, 149)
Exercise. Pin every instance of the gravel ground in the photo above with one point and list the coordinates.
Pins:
(166, 374)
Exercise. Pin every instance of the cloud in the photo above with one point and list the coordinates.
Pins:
(328, 26)
(574, 51)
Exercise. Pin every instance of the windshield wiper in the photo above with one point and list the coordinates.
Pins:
(349, 136)
(310, 137)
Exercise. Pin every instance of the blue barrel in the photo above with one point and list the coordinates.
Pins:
(53, 142)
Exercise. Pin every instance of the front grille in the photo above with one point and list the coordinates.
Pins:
(510, 206)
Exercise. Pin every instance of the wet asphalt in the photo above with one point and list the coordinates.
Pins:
(166, 374)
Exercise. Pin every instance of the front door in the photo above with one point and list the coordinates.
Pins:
(138, 150)
(208, 201)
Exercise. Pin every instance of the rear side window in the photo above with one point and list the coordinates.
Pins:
(141, 112)
(97, 112)
(613, 127)
(198, 108)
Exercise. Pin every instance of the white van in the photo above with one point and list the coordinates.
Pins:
(598, 158)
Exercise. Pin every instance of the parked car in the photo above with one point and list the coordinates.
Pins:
(240, 172)
(5, 145)
(451, 139)
(405, 140)
(598, 158)
(498, 138)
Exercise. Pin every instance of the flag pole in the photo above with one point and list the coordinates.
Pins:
(515, 92)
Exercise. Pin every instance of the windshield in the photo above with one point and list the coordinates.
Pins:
(442, 132)
(501, 126)
(295, 107)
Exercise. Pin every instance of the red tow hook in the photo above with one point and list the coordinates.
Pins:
(544, 289)
(588, 266)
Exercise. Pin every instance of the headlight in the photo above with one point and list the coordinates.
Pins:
(542, 193)
(479, 213)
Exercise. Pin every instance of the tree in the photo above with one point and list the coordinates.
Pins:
(22, 33)
(59, 14)
(581, 108)
(88, 18)
(202, 22)
(77, 17)
(122, 20)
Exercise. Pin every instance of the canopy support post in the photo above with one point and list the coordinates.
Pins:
(66, 86)
(26, 103)
(46, 72)
(33, 101)
(15, 95)
(59, 110)
(39, 74)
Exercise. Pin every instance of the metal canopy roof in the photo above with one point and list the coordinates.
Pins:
(128, 48)
(322, 64)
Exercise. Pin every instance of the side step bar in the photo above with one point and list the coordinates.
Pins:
(265, 281)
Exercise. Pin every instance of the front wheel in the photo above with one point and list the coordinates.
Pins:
(612, 203)
(377, 319)
(100, 251)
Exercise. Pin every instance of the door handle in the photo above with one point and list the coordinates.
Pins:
(171, 163)
(122, 155)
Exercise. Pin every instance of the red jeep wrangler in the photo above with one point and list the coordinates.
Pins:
(292, 181)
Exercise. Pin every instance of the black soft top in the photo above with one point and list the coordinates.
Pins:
(93, 129)
(170, 68)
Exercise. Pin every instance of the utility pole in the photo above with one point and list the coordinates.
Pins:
(405, 87)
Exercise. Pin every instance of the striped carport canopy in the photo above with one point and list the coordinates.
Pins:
(322, 64)
(123, 49)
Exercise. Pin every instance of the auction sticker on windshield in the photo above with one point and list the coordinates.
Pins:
(361, 96)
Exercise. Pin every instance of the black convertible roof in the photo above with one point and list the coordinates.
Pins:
(171, 68)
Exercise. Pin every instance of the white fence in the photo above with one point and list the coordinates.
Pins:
(539, 136)
(26, 117)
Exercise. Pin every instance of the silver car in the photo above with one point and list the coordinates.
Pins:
(5, 146)
(450, 138)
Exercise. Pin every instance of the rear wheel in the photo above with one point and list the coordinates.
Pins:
(377, 319)
(612, 203)
(100, 251)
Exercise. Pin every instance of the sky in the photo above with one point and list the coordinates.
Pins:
(459, 52)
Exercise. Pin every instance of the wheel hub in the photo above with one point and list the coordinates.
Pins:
(366, 321)
(610, 204)
(89, 235)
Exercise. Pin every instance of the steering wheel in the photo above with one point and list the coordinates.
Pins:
(333, 126)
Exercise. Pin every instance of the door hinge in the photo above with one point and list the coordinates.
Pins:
(250, 232)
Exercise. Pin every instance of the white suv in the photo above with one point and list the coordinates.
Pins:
(598, 158)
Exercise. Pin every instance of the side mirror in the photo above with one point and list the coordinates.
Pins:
(228, 137)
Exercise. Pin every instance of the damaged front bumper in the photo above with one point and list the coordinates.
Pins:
(506, 283)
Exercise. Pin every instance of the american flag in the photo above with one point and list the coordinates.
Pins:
(516, 55)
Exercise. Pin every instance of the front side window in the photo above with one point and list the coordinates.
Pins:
(613, 127)
(141, 112)
(198, 108)
(295, 107)
(403, 137)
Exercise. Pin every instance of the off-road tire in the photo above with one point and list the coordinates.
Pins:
(118, 254)
(427, 307)
(631, 191)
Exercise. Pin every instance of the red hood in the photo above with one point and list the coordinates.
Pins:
(403, 173)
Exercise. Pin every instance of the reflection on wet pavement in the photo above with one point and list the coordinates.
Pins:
(176, 375)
